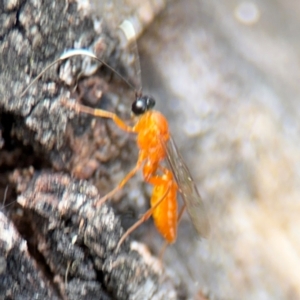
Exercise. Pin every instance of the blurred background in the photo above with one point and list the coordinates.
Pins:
(226, 75)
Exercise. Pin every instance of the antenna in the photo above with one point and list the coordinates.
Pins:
(128, 30)
(69, 54)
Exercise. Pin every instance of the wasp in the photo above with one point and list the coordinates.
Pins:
(155, 145)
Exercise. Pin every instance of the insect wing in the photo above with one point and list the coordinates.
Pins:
(187, 188)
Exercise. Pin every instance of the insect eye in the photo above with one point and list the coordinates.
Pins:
(139, 106)
(150, 102)
(142, 104)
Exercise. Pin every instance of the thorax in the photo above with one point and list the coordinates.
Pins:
(152, 129)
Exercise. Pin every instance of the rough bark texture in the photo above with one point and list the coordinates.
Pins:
(70, 252)
(72, 246)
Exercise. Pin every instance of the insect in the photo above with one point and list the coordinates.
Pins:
(155, 145)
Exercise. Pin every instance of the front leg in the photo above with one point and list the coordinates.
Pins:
(79, 108)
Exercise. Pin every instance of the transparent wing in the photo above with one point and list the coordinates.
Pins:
(187, 188)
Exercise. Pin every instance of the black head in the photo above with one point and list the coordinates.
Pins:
(142, 104)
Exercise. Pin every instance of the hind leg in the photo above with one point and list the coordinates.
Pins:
(146, 215)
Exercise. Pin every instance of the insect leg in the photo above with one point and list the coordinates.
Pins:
(79, 108)
(142, 219)
(124, 181)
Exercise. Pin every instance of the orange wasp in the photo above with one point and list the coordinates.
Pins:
(155, 145)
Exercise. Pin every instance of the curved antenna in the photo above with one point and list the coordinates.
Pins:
(130, 33)
(71, 53)
(4, 196)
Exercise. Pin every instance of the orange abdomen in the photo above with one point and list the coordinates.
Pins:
(165, 215)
